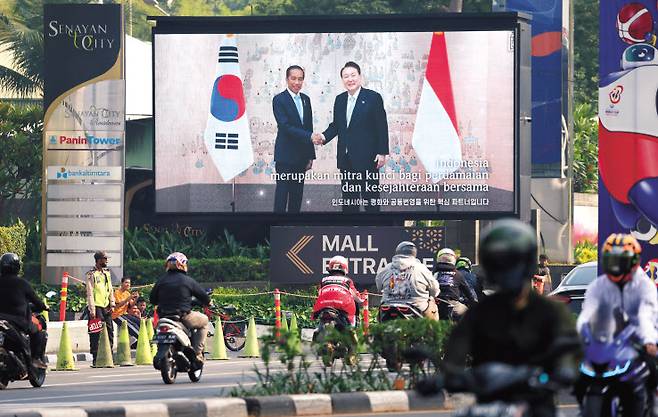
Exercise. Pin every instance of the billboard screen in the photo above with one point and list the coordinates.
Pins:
(335, 122)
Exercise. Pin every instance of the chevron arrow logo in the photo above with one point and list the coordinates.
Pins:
(292, 254)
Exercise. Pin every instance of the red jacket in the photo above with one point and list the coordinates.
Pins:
(338, 292)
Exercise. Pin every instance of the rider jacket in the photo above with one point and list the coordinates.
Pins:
(453, 285)
(338, 292)
(638, 299)
(16, 295)
(407, 280)
(173, 293)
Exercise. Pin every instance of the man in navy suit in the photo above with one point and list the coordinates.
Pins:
(293, 150)
(362, 130)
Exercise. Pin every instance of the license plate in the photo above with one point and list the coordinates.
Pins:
(164, 338)
(495, 409)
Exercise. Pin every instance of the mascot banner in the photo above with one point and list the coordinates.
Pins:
(628, 124)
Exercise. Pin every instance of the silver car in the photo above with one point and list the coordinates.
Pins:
(572, 288)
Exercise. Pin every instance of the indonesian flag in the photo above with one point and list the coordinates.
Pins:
(227, 135)
(435, 136)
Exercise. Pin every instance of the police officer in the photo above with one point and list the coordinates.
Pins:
(100, 300)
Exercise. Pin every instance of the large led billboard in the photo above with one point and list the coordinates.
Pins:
(303, 119)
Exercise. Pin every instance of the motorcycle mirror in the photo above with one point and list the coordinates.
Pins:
(50, 294)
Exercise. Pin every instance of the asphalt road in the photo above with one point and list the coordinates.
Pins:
(136, 383)
(143, 383)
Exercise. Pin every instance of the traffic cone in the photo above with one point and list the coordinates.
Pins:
(144, 352)
(65, 353)
(251, 348)
(293, 324)
(284, 324)
(104, 354)
(218, 345)
(123, 350)
(150, 332)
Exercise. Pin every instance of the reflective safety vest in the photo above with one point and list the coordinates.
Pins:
(102, 287)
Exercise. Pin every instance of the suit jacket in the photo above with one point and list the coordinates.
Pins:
(293, 140)
(366, 136)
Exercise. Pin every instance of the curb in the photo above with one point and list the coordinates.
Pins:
(267, 406)
(77, 357)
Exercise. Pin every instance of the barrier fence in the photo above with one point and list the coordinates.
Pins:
(276, 297)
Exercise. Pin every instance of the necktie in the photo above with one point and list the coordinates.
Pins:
(351, 101)
(298, 103)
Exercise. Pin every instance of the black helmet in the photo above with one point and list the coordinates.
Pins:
(10, 263)
(508, 254)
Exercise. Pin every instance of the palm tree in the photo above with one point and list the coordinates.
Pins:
(21, 34)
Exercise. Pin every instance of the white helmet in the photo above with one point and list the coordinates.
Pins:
(176, 260)
(338, 264)
(446, 256)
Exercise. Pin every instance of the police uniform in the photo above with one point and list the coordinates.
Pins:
(100, 298)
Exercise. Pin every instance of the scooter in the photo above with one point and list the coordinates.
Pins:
(396, 311)
(330, 346)
(15, 356)
(611, 365)
(175, 352)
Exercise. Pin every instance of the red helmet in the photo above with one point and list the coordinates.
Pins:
(338, 264)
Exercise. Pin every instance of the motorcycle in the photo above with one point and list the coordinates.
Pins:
(175, 352)
(396, 311)
(504, 390)
(611, 365)
(15, 356)
(332, 345)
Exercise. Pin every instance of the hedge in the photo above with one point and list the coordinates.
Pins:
(237, 268)
(13, 239)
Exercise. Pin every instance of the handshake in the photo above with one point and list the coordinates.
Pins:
(318, 138)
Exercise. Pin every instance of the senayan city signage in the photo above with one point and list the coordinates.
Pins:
(300, 254)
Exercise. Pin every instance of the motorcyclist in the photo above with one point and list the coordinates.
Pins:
(173, 294)
(407, 280)
(337, 291)
(465, 266)
(17, 294)
(625, 285)
(456, 295)
(513, 326)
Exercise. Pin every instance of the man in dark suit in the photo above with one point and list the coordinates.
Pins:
(362, 130)
(293, 150)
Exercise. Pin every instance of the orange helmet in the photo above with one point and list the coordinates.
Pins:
(620, 256)
(338, 264)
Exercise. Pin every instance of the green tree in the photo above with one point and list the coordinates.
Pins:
(21, 130)
(323, 7)
(586, 53)
(585, 158)
(21, 34)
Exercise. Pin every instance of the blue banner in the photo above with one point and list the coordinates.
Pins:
(547, 83)
(628, 124)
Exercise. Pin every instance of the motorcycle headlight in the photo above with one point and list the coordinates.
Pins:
(586, 369)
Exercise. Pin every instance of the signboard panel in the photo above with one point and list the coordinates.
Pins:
(83, 142)
(299, 254)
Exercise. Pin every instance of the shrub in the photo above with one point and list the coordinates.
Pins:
(146, 271)
(261, 307)
(352, 373)
(13, 239)
(585, 252)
